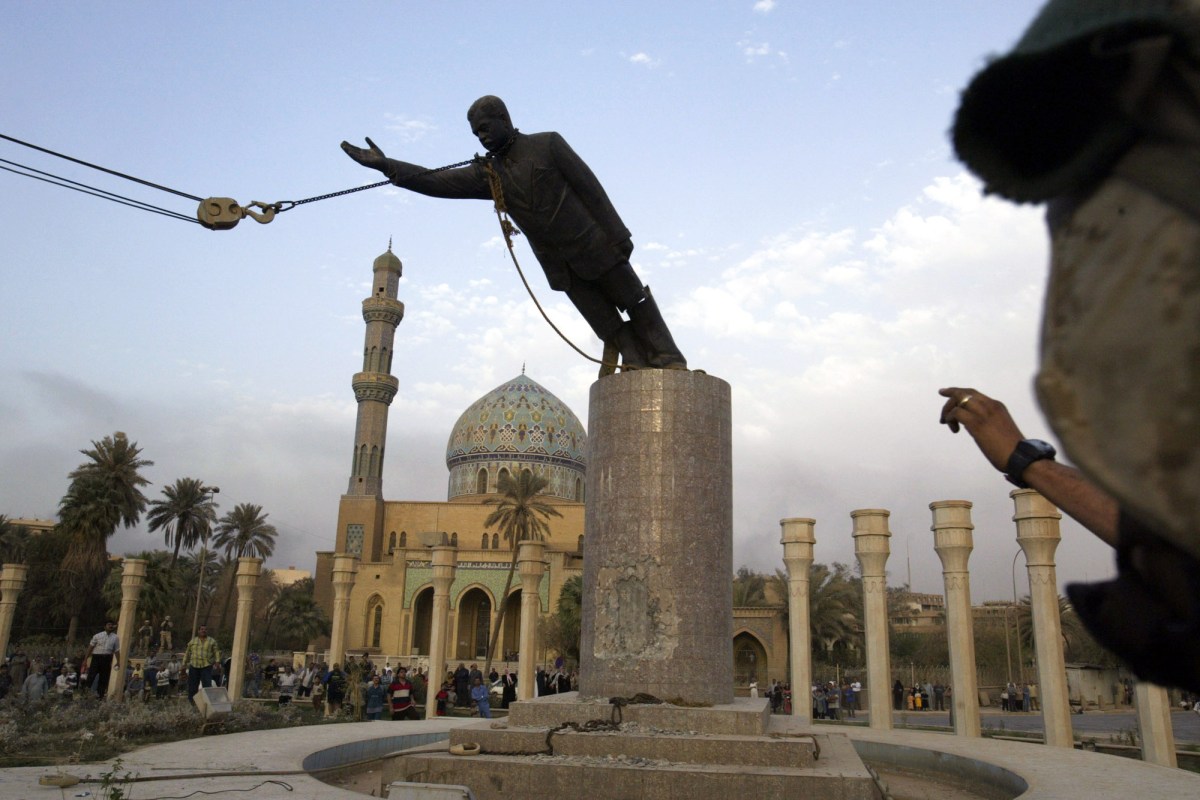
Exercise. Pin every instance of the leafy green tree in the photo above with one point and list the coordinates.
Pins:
(186, 515)
(14, 541)
(1074, 635)
(520, 516)
(105, 492)
(749, 588)
(199, 574)
(835, 606)
(42, 609)
(569, 618)
(161, 591)
(243, 532)
(294, 618)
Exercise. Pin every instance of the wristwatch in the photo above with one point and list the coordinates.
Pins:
(1027, 452)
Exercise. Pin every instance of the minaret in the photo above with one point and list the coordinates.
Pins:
(375, 387)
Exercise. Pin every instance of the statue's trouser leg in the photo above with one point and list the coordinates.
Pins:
(597, 305)
(652, 330)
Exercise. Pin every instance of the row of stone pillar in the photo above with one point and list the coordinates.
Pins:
(1038, 535)
(531, 566)
(133, 576)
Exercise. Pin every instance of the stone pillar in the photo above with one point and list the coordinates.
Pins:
(345, 568)
(798, 540)
(445, 561)
(1154, 724)
(871, 545)
(12, 581)
(659, 527)
(952, 539)
(248, 571)
(532, 566)
(133, 575)
(1038, 534)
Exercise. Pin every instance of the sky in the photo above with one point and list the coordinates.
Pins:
(784, 167)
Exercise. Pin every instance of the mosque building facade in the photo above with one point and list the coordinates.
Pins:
(517, 426)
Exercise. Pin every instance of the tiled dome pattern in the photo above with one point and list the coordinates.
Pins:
(518, 425)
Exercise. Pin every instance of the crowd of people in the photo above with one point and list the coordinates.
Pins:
(927, 696)
(357, 687)
(54, 677)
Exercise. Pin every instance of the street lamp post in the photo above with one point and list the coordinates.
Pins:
(1017, 618)
(210, 491)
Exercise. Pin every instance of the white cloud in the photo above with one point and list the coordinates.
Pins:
(409, 129)
(642, 59)
(753, 50)
(764, 6)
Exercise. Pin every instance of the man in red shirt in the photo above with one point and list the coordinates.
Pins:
(401, 692)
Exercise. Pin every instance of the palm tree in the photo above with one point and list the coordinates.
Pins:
(186, 515)
(570, 616)
(160, 592)
(14, 541)
(198, 585)
(521, 517)
(243, 532)
(104, 493)
(295, 608)
(1072, 627)
(749, 588)
(834, 600)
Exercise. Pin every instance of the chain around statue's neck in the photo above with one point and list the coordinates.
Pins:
(503, 149)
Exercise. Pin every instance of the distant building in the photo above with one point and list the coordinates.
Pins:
(35, 526)
(917, 612)
(286, 577)
(518, 426)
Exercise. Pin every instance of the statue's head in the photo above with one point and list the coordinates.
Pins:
(490, 122)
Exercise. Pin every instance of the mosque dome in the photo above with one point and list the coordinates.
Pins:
(516, 426)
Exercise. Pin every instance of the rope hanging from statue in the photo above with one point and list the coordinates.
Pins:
(509, 230)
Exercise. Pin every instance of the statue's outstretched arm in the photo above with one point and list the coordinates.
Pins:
(464, 182)
(371, 156)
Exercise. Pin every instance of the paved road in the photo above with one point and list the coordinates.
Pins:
(1186, 724)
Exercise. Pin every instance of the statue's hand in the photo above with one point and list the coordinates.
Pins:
(371, 157)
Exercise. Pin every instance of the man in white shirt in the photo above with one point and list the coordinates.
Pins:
(104, 653)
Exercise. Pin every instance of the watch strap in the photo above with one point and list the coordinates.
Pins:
(1026, 452)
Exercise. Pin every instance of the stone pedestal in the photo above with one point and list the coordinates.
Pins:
(248, 572)
(798, 540)
(532, 566)
(345, 568)
(659, 538)
(1038, 534)
(12, 581)
(445, 562)
(133, 575)
(1154, 724)
(656, 752)
(871, 546)
(953, 542)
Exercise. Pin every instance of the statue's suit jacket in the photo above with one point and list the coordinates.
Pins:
(553, 197)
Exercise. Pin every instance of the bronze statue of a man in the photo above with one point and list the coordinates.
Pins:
(571, 225)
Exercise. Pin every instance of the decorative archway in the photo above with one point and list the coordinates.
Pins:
(510, 639)
(422, 611)
(474, 623)
(749, 660)
(374, 628)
